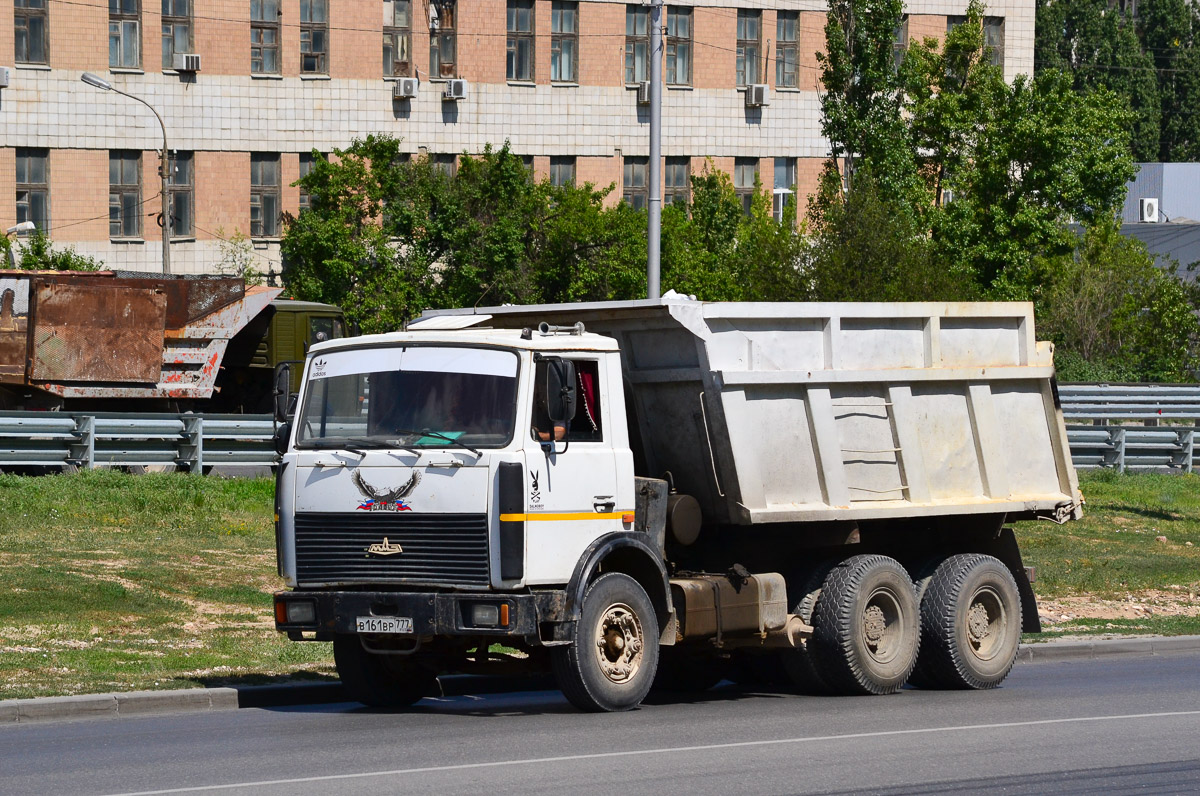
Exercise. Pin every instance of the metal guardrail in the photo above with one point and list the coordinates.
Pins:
(1169, 415)
(86, 440)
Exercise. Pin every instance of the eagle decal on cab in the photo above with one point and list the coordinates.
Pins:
(385, 499)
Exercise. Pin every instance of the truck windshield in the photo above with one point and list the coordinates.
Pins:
(410, 397)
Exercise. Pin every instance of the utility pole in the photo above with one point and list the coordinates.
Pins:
(654, 206)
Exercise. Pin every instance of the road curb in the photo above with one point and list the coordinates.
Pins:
(199, 700)
(1104, 648)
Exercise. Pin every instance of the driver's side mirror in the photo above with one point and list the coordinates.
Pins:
(560, 390)
(283, 391)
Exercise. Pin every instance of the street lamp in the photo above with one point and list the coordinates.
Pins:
(24, 226)
(163, 168)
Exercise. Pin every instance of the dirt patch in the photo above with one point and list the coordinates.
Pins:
(1173, 601)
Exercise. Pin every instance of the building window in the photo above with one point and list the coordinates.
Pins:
(307, 161)
(564, 42)
(562, 171)
(176, 30)
(749, 29)
(29, 25)
(264, 195)
(124, 49)
(634, 184)
(637, 44)
(676, 182)
(787, 59)
(181, 184)
(993, 40)
(124, 194)
(397, 38)
(745, 170)
(33, 187)
(443, 39)
(520, 40)
(679, 46)
(446, 164)
(785, 185)
(264, 37)
(314, 37)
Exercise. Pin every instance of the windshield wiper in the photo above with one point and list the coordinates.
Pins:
(350, 443)
(436, 435)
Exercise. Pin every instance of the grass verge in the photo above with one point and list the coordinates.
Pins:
(114, 582)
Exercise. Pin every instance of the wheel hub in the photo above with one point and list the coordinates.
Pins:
(874, 623)
(619, 643)
(880, 625)
(977, 622)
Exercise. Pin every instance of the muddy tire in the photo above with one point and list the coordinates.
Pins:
(800, 664)
(380, 681)
(610, 665)
(866, 627)
(970, 624)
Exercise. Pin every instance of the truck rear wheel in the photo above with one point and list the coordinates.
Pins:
(970, 624)
(610, 665)
(376, 680)
(866, 627)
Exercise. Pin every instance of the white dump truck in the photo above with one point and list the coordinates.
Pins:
(817, 492)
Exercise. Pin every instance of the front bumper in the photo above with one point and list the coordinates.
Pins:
(432, 613)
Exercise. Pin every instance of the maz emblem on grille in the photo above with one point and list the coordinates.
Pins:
(385, 549)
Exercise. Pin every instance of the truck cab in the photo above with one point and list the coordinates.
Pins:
(440, 491)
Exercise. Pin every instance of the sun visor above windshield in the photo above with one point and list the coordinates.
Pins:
(446, 322)
(436, 359)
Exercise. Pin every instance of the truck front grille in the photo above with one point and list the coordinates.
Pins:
(437, 548)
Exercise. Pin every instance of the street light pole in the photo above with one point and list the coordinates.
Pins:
(163, 166)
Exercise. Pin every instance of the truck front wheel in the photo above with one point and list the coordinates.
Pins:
(610, 664)
(377, 680)
(970, 624)
(866, 627)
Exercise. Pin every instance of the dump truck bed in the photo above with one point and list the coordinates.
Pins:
(108, 335)
(793, 412)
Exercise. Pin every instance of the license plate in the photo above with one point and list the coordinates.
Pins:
(384, 624)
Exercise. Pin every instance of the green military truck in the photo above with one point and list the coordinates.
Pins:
(283, 332)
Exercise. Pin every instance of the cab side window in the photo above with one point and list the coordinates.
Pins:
(588, 425)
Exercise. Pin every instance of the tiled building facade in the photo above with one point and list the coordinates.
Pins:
(279, 78)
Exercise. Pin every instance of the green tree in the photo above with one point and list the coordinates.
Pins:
(38, 254)
(1021, 160)
(1099, 46)
(874, 248)
(1171, 35)
(386, 238)
(862, 107)
(1113, 313)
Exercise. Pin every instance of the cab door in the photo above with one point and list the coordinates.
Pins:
(571, 482)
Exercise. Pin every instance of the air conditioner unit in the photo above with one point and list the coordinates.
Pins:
(455, 90)
(1148, 211)
(644, 93)
(757, 96)
(405, 88)
(5, 76)
(186, 62)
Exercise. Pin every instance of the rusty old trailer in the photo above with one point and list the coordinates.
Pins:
(87, 337)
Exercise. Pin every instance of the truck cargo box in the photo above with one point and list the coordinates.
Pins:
(789, 412)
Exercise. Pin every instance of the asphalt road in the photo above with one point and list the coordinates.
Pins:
(1113, 725)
